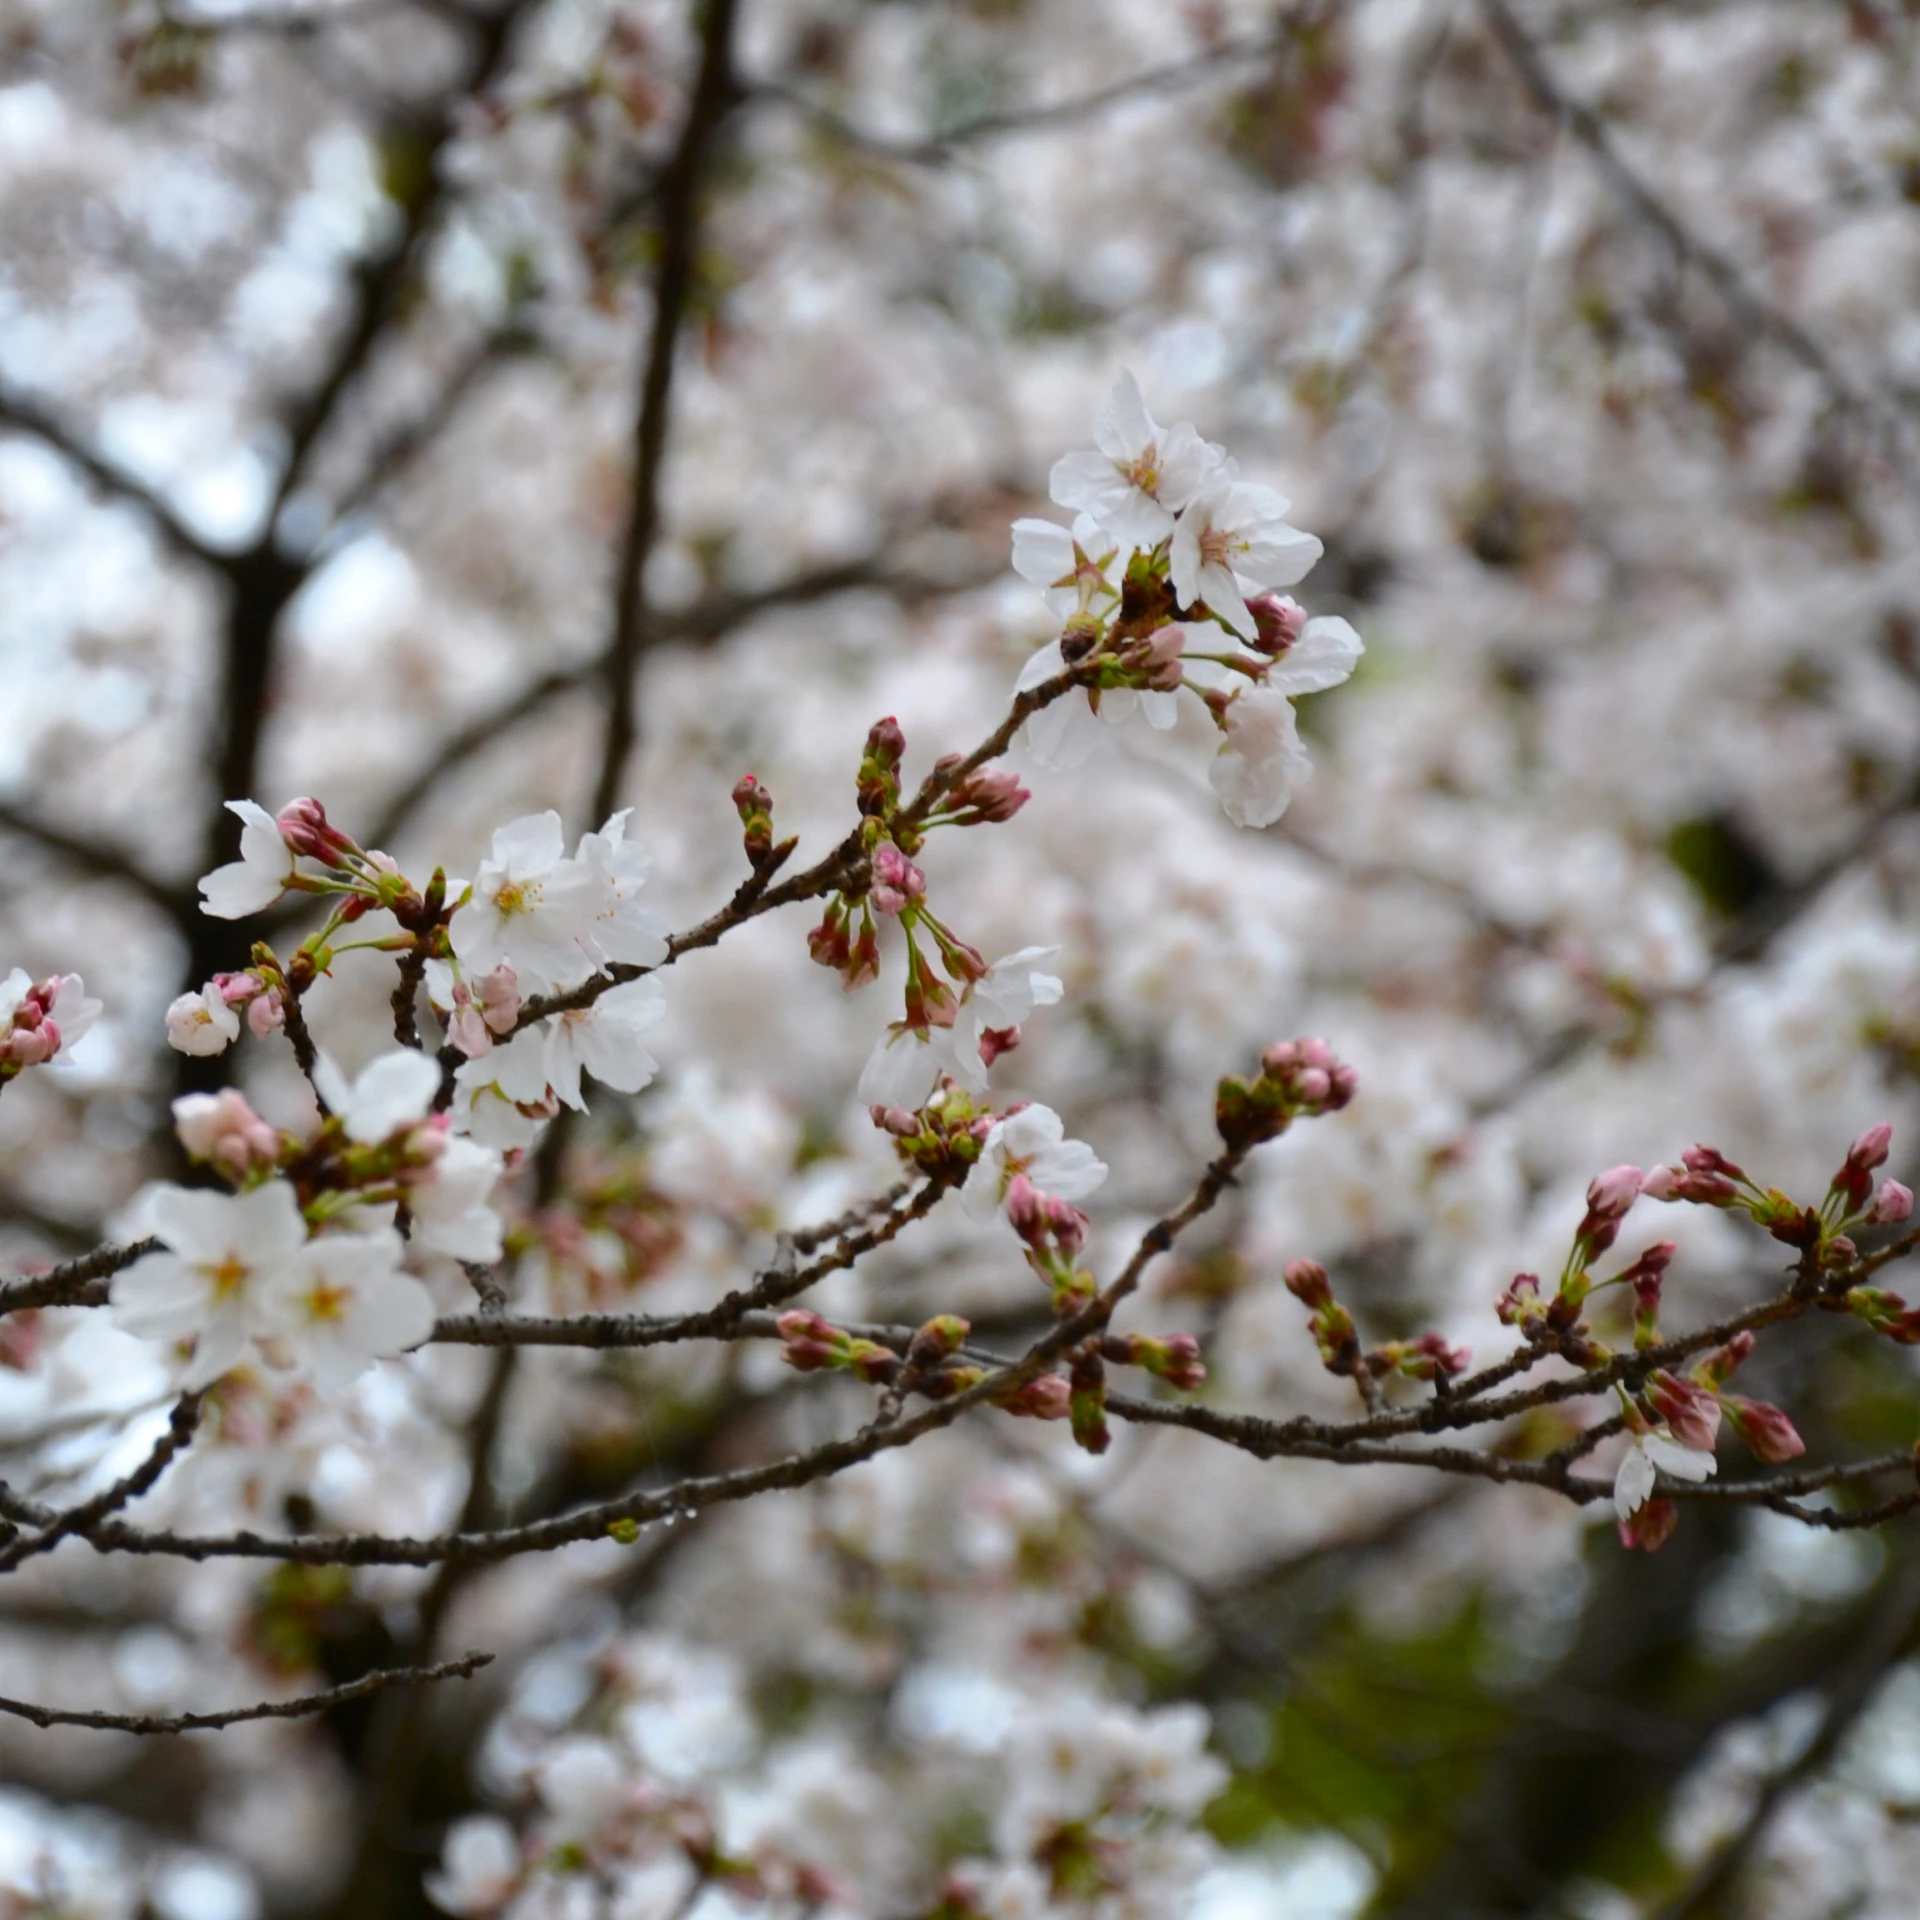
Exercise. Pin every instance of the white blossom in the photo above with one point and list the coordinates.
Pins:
(449, 1202)
(620, 931)
(530, 908)
(1142, 475)
(394, 1090)
(1077, 571)
(343, 1303)
(1233, 539)
(1031, 1141)
(1260, 760)
(492, 1095)
(223, 1254)
(1004, 996)
(257, 879)
(1652, 1454)
(1065, 733)
(479, 1867)
(202, 1023)
(603, 1039)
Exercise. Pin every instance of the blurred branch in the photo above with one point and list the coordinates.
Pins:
(299, 1708)
(30, 417)
(1891, 1636)
(95, 857)
(706, 620)
(938, 149)
(411, 437)
(715, 93)
(1750, 309)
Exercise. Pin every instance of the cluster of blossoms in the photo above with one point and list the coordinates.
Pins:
(1166, 581)
(299, 1264)
(1087, 1806)
(41, 1021)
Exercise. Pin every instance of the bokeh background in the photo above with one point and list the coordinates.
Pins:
(398, 405)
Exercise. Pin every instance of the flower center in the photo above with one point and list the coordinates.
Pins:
(1215, 545)
(326, 1302)
(516, 896)
(228, 1277)
(1145, 472)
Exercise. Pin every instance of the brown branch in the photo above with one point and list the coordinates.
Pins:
(79, 1282)
(780, 1282)
(296, 1709)
(88, 1513)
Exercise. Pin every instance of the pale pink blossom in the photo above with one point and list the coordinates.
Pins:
(202, 1023)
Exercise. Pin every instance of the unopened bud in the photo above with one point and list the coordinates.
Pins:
(1650, 1525)
(1768, 1431)
(1277, 621)
(1892, 1204)
(1307, 1282)
(305, 828)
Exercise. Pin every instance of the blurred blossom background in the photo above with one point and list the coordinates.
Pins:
(456, 409)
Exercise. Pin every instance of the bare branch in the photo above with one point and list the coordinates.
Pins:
(299, 1708)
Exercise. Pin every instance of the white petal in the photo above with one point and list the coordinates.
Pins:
(1325, 654)
(531, 845)
(1632, 1483)
(392, 1092)
(233, 892)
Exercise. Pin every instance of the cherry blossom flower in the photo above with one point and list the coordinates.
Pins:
(1261, 758)
(1077, 570)
(1032, 1142)
(202, 1023)
(257, 879)
(1231, 540)
(1143, 473)
(449, 1202)
(603, 1039)
(620, 930)
(392, 1091)
(479, 1868)
(529, 908)
(502, 1100)
(40, 1023)
(1065, 734)
(223, 1254)
(1652, 1454)
(1003, 997)
(222, 1129)
(341, 1304)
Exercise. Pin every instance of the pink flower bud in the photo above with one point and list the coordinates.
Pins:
(1768, 1431)
(1307, 1282)
(305, 828)
(1891, 1205)
(1441, 1357)
(1316, 1053)
(469, 1032)
(885, 741)
(237, 989)
(1159, 656)
(1705, 1159)
(267, 1014)
(896, 880)
(895, 1120)
(1870, 1150)
(1661, 1183)
(224, 1131)
(990, 798)
(1650, 1525)
(498, 993)
(1312, 1085)
(1691, 1414)
(31, 1046)
(1280, 1058)
(1277, 622)
(1612, 1193)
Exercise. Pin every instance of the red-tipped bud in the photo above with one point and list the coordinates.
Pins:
(1520, 1305)
(1891, 1205)
(1705, 1159)
(1612, 1193)
(988, 799)
(1307, 1282)
(1650, 1525)
(305, 828)
(886, 742)
(1692, 1414)
(1768, 1431)
(1277, 621)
